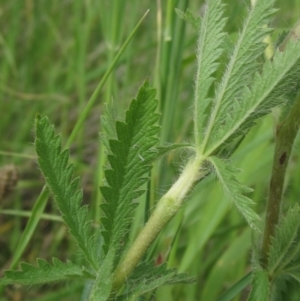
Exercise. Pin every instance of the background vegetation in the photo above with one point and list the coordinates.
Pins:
(52, 56)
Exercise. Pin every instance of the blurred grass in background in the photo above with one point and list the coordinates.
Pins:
(52, 56)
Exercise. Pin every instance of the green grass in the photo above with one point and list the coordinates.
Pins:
(53, 55)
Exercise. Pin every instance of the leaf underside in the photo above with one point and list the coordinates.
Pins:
(233, 190)
(129, 156)
(209, 51)
(245, 92)
(270, 88)
(238, 75)
(58, 175)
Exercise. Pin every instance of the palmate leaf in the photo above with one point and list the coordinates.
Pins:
(285, 247)
(233, 189)
(130, 157)
(45, 272)
(146, 277)
(240, 69)
(209, 51)
(58, 174)
(269, 89)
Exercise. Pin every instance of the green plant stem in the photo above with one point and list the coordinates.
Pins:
(286, 133)
(166, 208)
(35, 217)
(50, 217)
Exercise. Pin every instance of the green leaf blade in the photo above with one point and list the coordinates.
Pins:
(209, 51)
(130, 157)
(234, 190)
(45, 272)
(58, 175)
(240, 69)
(102, 285)
(285, 245)
(269, 89)
(260, 286)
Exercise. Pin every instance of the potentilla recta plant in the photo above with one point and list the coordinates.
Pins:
(224, 111)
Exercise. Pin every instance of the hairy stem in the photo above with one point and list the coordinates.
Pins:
(286, 133)
(166, 208)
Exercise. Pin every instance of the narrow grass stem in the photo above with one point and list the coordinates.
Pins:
(11, 154)
(50, 217)
(95, 95)
(286, 133)
(32, 223)
(113, 37)
(166, 208)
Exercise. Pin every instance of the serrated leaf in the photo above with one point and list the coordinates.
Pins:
(130, 157)
(285, 289)
(58, 175)
(189, 17)
(233, 190)
(147, 277)
(238, 74)
(45, 272)
(269, 89)
(108, 124)
(260, 286)
(209, 51)
(102, 286)
(285, 244)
